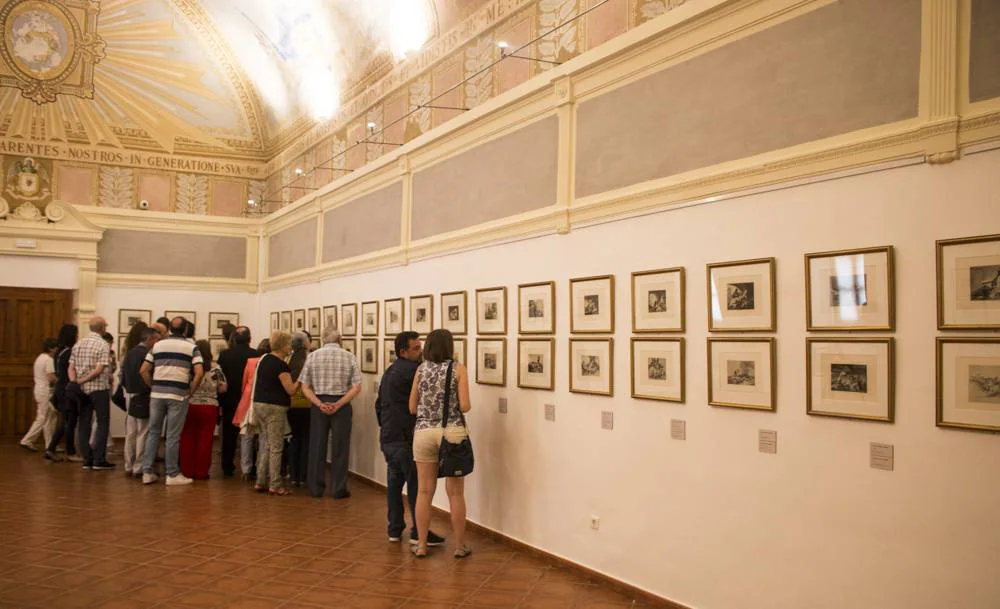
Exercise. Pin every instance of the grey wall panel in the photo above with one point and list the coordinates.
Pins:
(292, 249)
(367, 224)
(169, 254)
(984, 49)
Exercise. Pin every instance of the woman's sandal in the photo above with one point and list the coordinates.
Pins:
(463, 551)
(281, 491)
(420, 551)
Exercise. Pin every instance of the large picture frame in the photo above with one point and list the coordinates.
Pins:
(742, 296)
(592, 305)
(286, 321)
(460, 352)
(658, 300)
(369, 355)
(851, 378)
(369, 318)
(330, 317)
(968, 383)
(394, 314)
(658, 369)
(592, 366)
(491, 310)
(742, 373)
(536, 363)
(850, 290)
(314, 322)
(454, 312)
(491, 361)
(422, 314)
(349, 319)
(298, 320)
(968, 283)
(275, 321)
(129, 317)
(217, 320)
(191, 316)
(536, 310)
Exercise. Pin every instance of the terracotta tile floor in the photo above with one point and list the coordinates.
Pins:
(70, 538)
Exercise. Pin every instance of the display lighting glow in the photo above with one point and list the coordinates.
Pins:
(298, 171)
(503, 44)
(409, 26)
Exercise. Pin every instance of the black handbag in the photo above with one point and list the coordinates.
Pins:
(454, 460)
(118, 397)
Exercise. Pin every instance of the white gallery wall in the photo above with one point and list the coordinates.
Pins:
(710, 522)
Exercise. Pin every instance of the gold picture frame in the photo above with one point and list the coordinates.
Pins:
(860, 374)
(599, 362)
(529, 309)
(314, 322)
(217, 320)
(737, 375)
(388, 353)
(646, 390)
(129, 317)
(191, 316)
(545, 380)
(982, 299)
(980, 383)
(298, 320)
(369, 318)
(658, 300)
(589, 290)
(422, 313)
(349, 319)
(499, 360)
(455, 312)
(393, 307)
(741, 297)
(275, 321)
(461, 351)
(286, 321)
(369, 347)
(330, 317)
(491, 311)
(849, 300)
(350, 345)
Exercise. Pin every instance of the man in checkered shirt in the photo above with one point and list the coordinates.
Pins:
(90, 368)
(330, 380)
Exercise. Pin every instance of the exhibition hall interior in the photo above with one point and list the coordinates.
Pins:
(575, 303)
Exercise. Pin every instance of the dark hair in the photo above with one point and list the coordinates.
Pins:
(67, 335)
(241, 336)
(188, 329)
(264, 347)
(108, 338)
(164, 321)
(227, 330)
(297, 361)
(144, 336)
(178, 327)
(439, 346)
(206, 353)
(135, 335)
(403, 341)
(49, 344)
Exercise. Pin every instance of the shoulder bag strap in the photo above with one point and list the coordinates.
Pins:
(447, 396)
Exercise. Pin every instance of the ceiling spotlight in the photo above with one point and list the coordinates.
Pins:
(503, 44)
(298, 171)
(371, 125)
(251, 203)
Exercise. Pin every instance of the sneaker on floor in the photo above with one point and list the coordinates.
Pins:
(103, 466)
(75, 458)
(29, 448)
(149, 478)
(88, 466)
(433, 539)
(178, 480)
(51, 456)
(395, 538)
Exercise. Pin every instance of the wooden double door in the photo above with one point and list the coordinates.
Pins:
(27, 317)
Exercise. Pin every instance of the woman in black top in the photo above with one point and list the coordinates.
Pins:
(64, 402)
(273, 388)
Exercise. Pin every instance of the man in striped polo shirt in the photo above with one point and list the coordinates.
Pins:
(173, 369)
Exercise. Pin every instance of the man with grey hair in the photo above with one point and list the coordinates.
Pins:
(330, 380)
(90, 370)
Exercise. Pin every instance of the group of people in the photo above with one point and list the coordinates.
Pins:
(287, 405)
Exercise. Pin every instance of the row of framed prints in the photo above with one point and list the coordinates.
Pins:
(216, 321)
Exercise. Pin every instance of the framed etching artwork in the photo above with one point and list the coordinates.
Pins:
(394, 313)
(388, 353)
(658, 300)
(369, 355)
(491, 361)
(851, 378)
(315, 344)
(330, 317)
(129, 317)
(349, 319)
(968, 383)
(968, 283)
(741, 373)
(459, 354)
(275, 321)
(369, 318)
(850, 290)
(298, 320)
(350, 345)
(286, 321)
(536, 308)
(658, 369)
(422, 314)
(491, 310)
(191, 316)
(121, 346)
(536, 363)
(592, 305)
(592, 366)
(217, 320)
(454, 306)
(314, 322)
(741, 296)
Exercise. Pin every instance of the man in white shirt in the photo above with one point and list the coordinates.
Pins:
(46, 417)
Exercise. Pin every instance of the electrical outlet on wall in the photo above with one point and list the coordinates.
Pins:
(595, 523)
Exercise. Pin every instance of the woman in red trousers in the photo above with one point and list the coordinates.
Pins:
(202, 416)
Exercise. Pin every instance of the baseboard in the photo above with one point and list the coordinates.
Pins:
(643, 596)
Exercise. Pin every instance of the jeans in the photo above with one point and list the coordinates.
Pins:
(248, 457)
(135, 443)
(400, 470)
(320, 427)
(94, 405)
(174, 412)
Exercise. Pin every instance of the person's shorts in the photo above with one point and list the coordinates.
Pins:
(427, 442)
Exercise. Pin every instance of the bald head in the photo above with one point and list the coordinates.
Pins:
(98, 324)
(161, 328)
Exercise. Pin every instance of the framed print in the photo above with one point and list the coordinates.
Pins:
(218, 346)
(536, 363)
(349, 319)
(658, 300)
(741, 296)
(330, 317)
(968, 283)
(460, 351)
(592, 366)
(491, 361)
(852, 378)
(454, 306)
(394, 314)
(129, 317)
(741, 373)
(369, 355)
(536, 308)
(850, 290)
(369, 318)
(121, 346)
(592, 305)
(491, 310)
(314, 318)
(286, 321)
(191, 316)
(217, 320)
(275, 321)
(388, 353)
(422, 314)
(298, 320)
(658, 369)
(968, 383)
(315, 344)
(350, 345)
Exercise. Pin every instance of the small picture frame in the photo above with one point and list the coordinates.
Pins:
(349, 319)
(536, 363)
(968, 283)
(121, 346)
(129, 317)
(217, 320)
(491, 310)
(298, 320)
(369, 355)
(658, 300)
(460, 351)
(350, 345)
(850, 290)
(394, 316)
(275, 321)
(592, 305)
(741, 296)
(369, 318)
(314, 321)
(742, 373)
(658, 371)
(851, 378)
(218, 345)
(388, 353)
(968, 383)
(592, 366)
(454, 309)
(330, 317)
(191, 316)
(536, 308)
(491, 361)
(314, 344)
(422, 314)
(286, 321)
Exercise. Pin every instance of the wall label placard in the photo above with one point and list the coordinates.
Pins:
(550, 412)
(767, 441)
(502, 405)
(678, 429)
(882, 456)
(607, 420)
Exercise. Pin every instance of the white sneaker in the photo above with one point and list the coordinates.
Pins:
(149, 478)
(178, 480)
